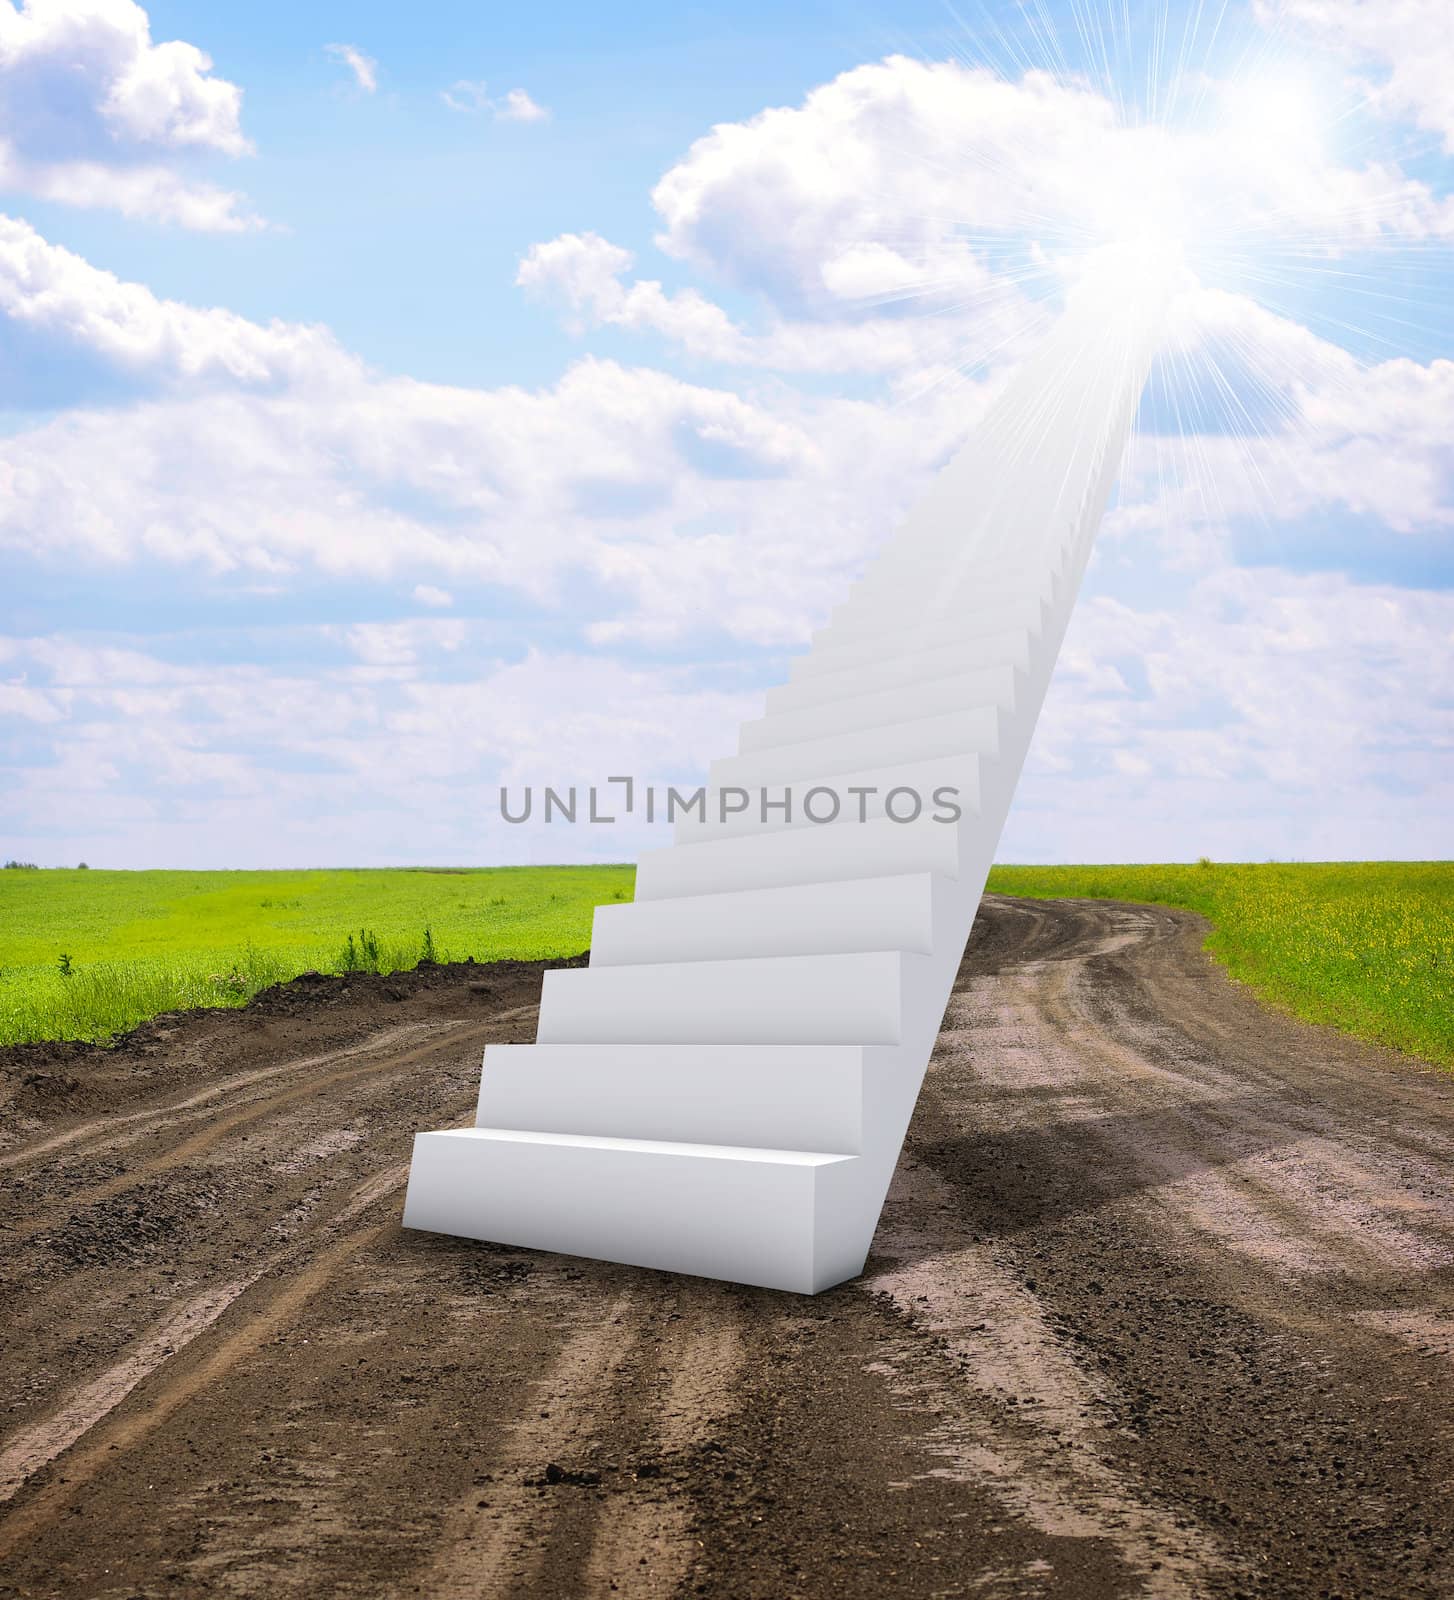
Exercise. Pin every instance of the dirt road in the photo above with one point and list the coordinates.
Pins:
(1162, 1304)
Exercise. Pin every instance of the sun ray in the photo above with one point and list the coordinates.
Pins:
(1277, 199)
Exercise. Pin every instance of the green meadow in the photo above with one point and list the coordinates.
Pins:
(88, 954)
(1365, 946)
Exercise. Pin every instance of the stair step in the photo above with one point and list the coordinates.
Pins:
(872, 849)
(846, 850)
(793, 1097)
(814, 680)
(936, 625)
(960, 773)
(774, 1218)
(972, 731)
(813, 999)
(859, 914)
(872, 614)
(873, 708)
(905, 583)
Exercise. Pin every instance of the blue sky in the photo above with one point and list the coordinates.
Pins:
(398, 401)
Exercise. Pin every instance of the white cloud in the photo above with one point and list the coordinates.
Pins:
(474, 96)
(900, 157)
(1266, 713)
(1409, 40)
(465, 95)
(1338, 435)
(690, 508)
(279, 452)
(187, 754)
(147, 193)
(101, 53)
(378, 478)
(94, 113)
(519, 107)
(54, 293)
(638, 510)
(364, 68)
(872, 259)
(1272, 714)
(584, 273)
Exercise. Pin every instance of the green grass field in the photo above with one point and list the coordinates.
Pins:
(139, 943)
(1366, 946)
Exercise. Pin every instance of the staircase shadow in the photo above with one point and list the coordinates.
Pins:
(1009, 1181)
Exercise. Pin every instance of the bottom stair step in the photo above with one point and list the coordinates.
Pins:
(783, 1219)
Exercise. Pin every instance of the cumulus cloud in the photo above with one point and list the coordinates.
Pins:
(74, 307)
(522, 489)
(1293, 428)
(894, 219)
(584, 273)
(892, 159)
(1159, 712)
(1278, 422)
(147, 193)
(93, 112)
(268, 449)
(365, 69)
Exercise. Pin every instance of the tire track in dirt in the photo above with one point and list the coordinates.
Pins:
(1213, 1206)
(254, 1109)
(201, 1102)
(44, 1439)
(496, 1547)
(1055, 1474)
(645, 1547)
(1288, 1179)
(584, 1498)
(37, 1445)
(180, 1386)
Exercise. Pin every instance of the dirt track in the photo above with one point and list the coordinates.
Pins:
(1162, 1304)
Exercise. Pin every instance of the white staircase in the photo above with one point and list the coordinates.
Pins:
(726, 1088)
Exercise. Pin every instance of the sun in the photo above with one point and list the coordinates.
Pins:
(1275, 115)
